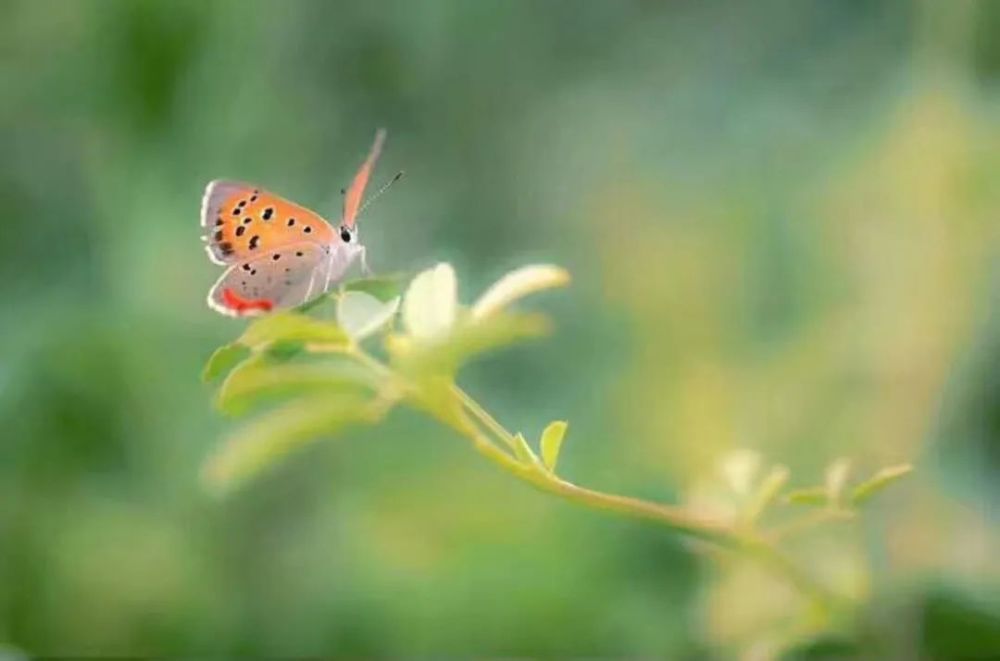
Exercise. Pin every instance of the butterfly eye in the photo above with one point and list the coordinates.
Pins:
(345, 235)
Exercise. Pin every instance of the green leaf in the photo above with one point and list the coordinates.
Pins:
(270, 437)
(224, 359)
(292, 326)
(879, 481)
(361, 314)
(258, 381)
(283, 350)
(445, 355)
(810, 496)
(431, 302)
(518, 284)
(523, 451)
(383, 287)
(551, 443)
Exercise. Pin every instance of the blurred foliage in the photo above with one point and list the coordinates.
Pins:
(438, 337)
(781, 218)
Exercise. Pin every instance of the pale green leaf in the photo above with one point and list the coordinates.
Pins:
(360, 314)
(739, 468)
(551, 443)
(259, 381)
(223, 360)
(291, 326)
(810, 496)
(270, 437)
(879, 481)
(431, 302)
(518, 284)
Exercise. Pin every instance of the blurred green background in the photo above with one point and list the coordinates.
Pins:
(782, 219)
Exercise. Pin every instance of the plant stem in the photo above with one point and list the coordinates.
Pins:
(809, 521)
(484, 417)
(676, 518)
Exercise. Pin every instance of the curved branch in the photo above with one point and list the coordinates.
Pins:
(676, 518)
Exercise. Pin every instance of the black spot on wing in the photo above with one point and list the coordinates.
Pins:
(254, 241)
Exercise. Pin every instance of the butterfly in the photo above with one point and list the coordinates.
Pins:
(279, 254)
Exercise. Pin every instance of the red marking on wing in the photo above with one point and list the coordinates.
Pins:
(352, 199)
(240, 305)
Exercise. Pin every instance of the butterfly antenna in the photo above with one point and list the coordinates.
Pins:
(378, 193)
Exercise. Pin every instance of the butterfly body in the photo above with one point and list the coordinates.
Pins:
(278, 253)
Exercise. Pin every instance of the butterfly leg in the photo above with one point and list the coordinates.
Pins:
(329, 271)
(312, 282)
(363, 259)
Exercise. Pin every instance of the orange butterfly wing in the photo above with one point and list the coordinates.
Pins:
(241, 221)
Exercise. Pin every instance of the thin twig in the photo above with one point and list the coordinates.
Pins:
(675, 518)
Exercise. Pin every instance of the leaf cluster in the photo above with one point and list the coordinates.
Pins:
(306, 374)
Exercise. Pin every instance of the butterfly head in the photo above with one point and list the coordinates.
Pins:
(348, 234)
